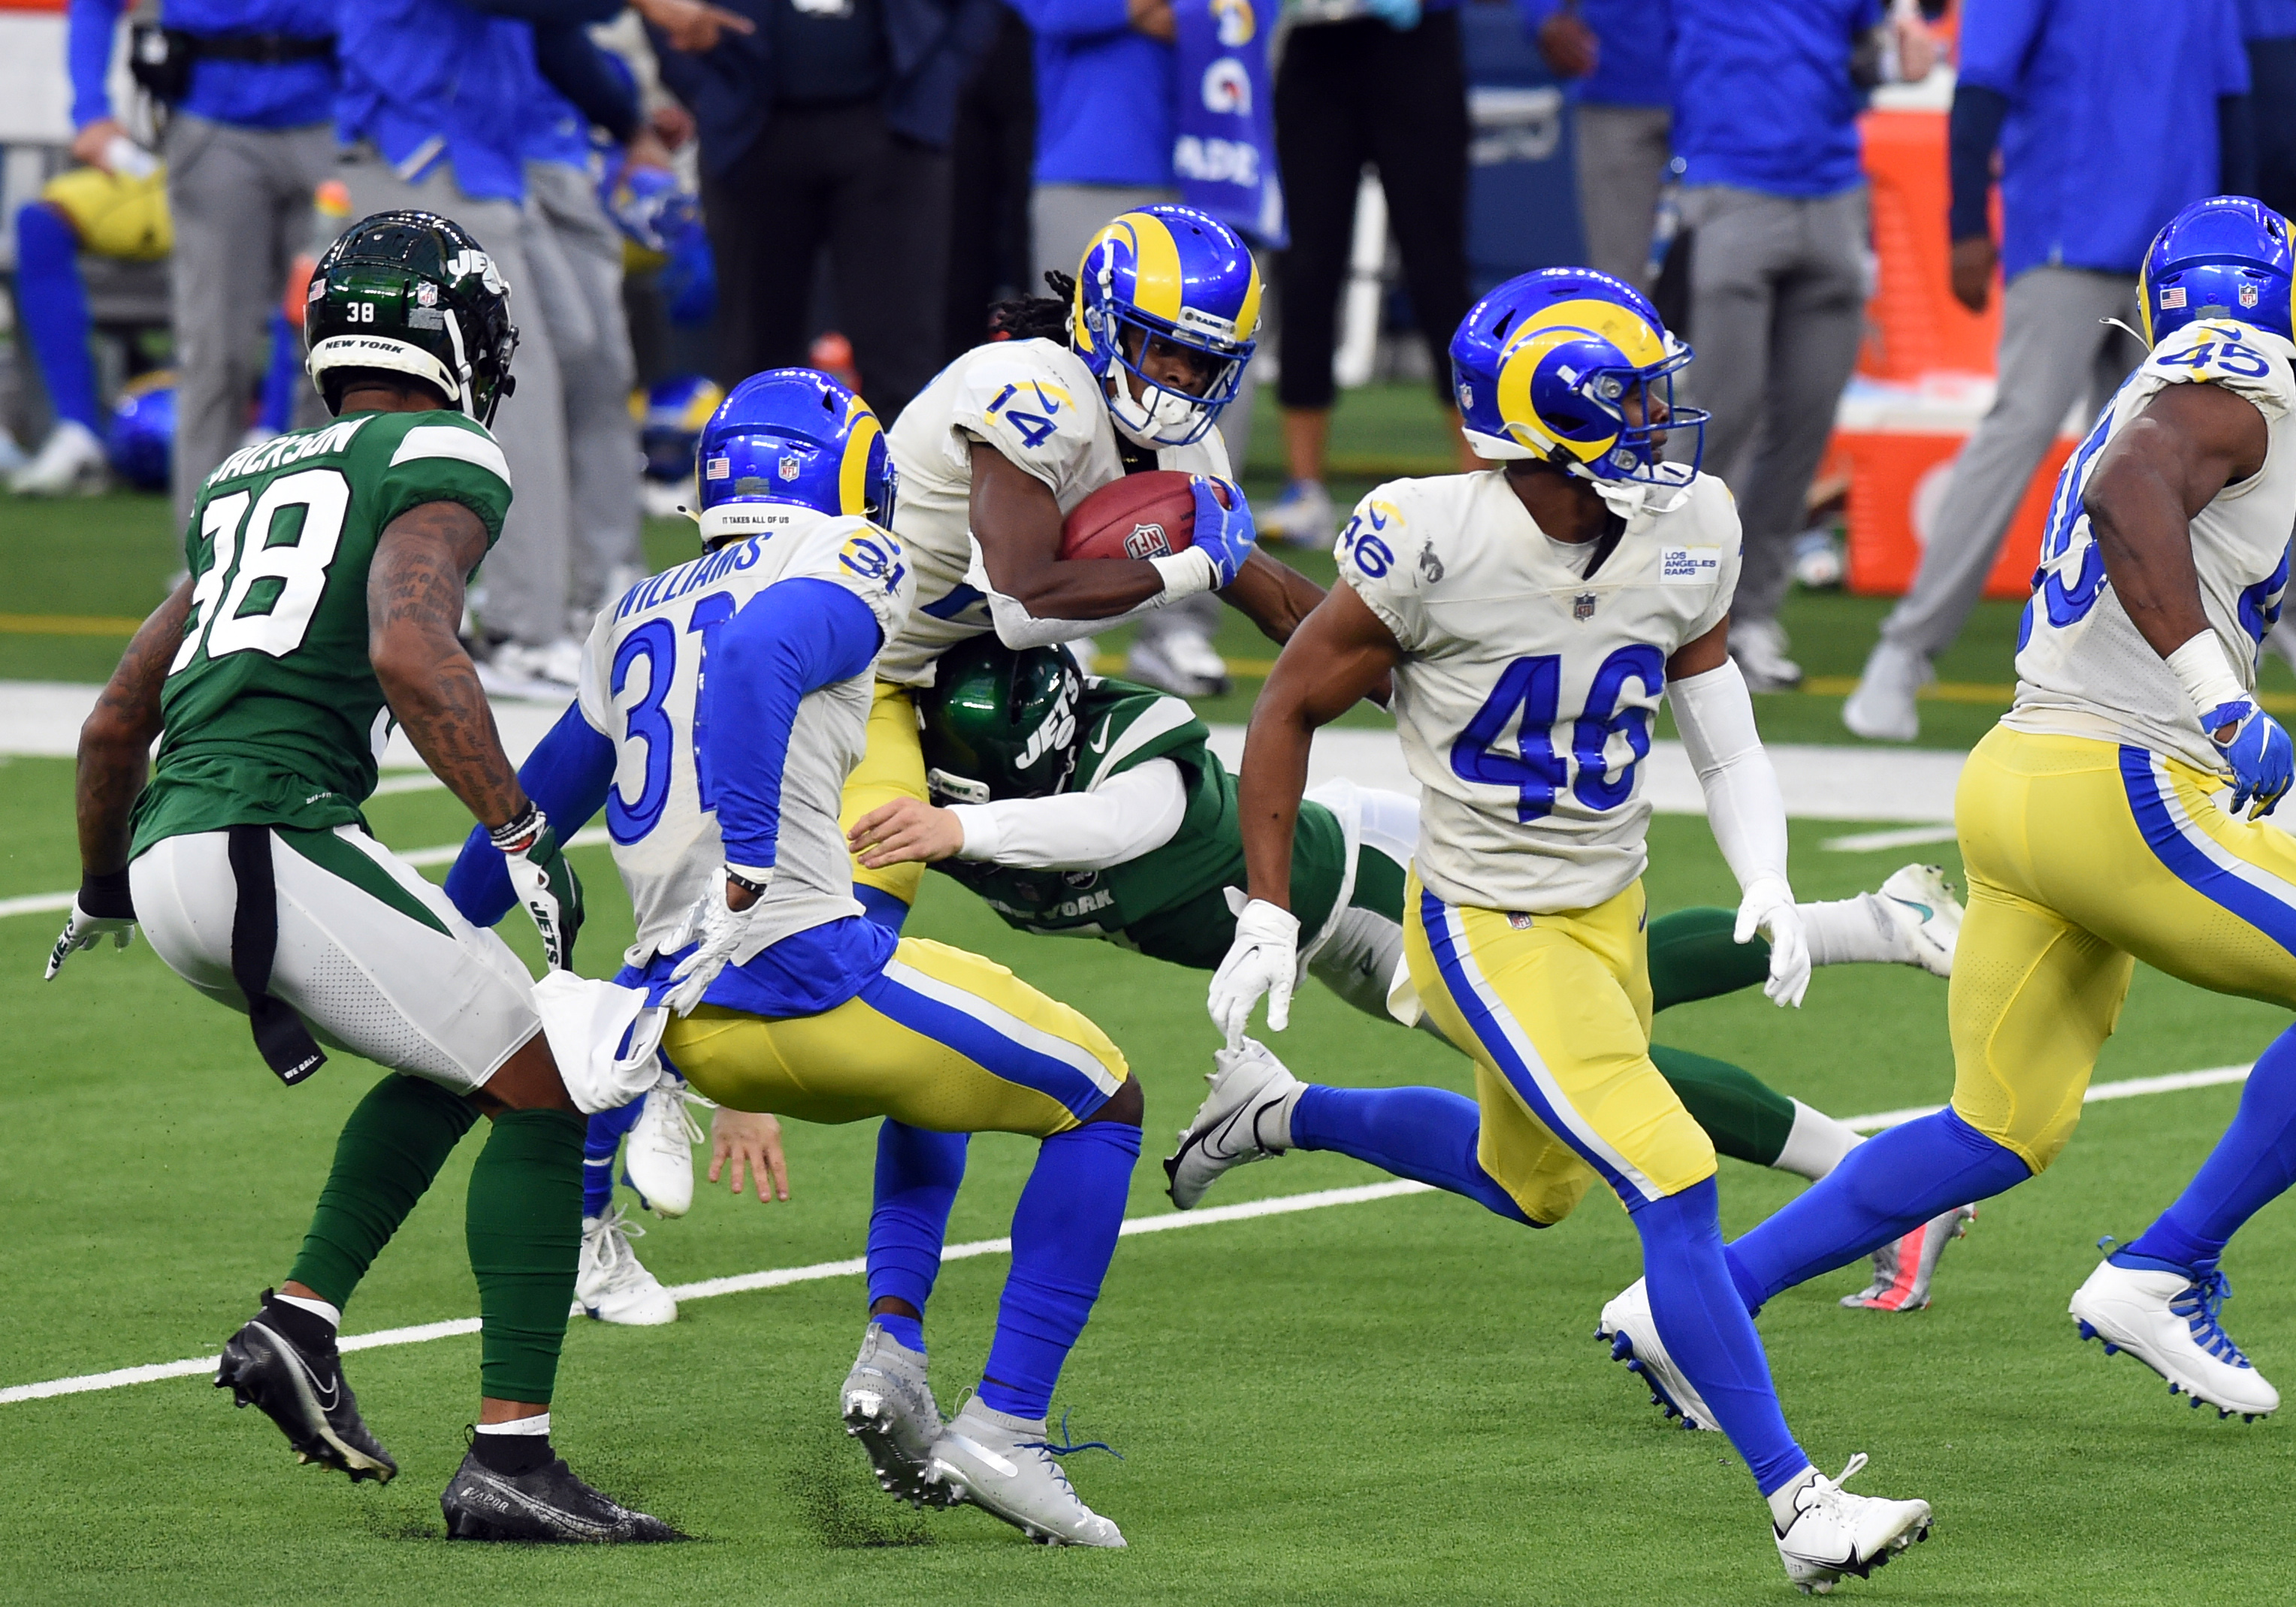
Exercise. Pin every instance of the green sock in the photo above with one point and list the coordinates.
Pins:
(524, 1229)
(391, 1148)
(1692, 957)
(1746, 1118)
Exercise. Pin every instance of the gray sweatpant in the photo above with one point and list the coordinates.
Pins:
(525, 575)
(1622, 155)
(241, 199)
(575, 254)
(1777, 308)
(2056, 351)
(1062, 220)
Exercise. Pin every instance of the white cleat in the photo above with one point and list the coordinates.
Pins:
(1246, 1116)
(1905, 1266)
(70, 461)
(1925, 911)
(658, 1156)
(1881, 708)
(1004, 1465)
(1182, 662)
(1627, 1327)
(1760, 646)
(1836, 1535)
(609, 1283)
(889, 1408)
(2168, 1322)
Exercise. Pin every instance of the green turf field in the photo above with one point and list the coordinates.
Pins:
(1397, 1401)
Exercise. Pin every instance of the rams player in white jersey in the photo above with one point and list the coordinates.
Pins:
(722, 705)
(2089, 824)
(1531, 617)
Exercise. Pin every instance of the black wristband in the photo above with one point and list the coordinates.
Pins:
(520, 830)
(756, 890)
(107, 895)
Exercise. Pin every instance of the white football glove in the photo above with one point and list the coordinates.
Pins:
(1768, 909)
(83, 930)
(718, 930)
(1263, 959)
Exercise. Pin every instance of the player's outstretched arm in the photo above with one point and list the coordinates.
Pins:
(1748, 813)
(1117, 822)
(1341, 652)
(414, 606)
(115, 754)
(2168, 462)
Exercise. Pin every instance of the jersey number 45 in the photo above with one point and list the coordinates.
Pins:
(1527, 698)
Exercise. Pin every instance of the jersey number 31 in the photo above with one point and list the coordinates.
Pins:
(1532, 690)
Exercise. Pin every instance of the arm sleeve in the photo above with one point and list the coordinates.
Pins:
(577, 70)
(1129, 815)
(89, 28)
(1073, 19)
(2235, 146)
(1978, 114)
(1019, 630)
(1743, 805)
(794, 637)
(567, 775)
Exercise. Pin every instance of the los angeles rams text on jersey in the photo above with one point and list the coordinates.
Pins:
(1036, 403)
(642, 673)
(1525, 697)
(2083, 668)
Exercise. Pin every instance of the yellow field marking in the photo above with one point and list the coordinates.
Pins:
(67, 625)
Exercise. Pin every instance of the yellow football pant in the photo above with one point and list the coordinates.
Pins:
(1556, 1012)
(2083, 857)
(892, 766)
(941, 1039)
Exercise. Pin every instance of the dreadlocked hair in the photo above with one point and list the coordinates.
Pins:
(1035, 317)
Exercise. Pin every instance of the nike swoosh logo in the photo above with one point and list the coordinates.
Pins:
(997, 1463)
(1099, 744)
(1927, 914)
(326, 1397)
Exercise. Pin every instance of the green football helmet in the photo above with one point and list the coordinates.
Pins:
(1000, 723)
(413, 293)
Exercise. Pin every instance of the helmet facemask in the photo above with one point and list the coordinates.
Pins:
(1161, 415)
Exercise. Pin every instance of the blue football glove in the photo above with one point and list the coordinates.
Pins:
(1224, 534)
(2257, 747)
(1401, 15)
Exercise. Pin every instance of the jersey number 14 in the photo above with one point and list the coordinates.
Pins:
(1528, 697)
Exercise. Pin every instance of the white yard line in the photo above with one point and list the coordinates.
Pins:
(1874, 842)
(852, 1267)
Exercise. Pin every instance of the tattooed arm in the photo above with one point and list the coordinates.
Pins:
(115, 743)
(414, 604)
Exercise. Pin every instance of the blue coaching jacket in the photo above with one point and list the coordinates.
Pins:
(933, 44)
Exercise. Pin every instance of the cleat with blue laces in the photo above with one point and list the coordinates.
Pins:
(1004, 1465)
(2169, 1321)
(1631, 1332)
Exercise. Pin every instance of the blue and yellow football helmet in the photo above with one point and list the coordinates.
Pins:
(1544, 365)
(791, 438)
(2226, 256)
(1175, 274)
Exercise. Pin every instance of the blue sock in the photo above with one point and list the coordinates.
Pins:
(54, 305)
(1707, 1331)
(1885, 1187)
(882, 907)
(1427, 1134)
(2252, 1165)
(599, 1143)
(282, 381)
(917, 1176)
(1063, 1233)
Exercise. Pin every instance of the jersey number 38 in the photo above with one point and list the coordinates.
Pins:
(1527, 698)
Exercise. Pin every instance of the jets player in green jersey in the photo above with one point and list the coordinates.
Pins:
(326, 578)
(1081, 807)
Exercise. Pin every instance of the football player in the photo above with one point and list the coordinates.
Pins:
(2090, 822)
(721, 797)
(1531, 617)
(1079, 807)
(325, 585)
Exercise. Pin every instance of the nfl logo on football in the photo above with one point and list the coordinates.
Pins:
(1147, 541)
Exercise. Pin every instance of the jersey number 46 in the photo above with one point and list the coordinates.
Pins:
(1527, 698)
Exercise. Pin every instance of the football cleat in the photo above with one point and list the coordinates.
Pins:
(610, 1282)
(1627, 1327)
(1835, 1535)
(1921, 905)
(1303, 516)
(547, 1506)
(1182, 662)
(2169, 1321)
(889, 1408)
(1249, 1085)
(1904, 1266)
(658, 1156)
(71, 461)
(1004, 1465)
(302, 1389)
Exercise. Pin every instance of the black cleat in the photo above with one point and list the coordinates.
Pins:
(300, 1388)
(547, 1506)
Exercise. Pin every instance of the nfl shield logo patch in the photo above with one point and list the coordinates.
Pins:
(1582, 607)
(1147, 541)
(2248, 295)
(1519, 921)
(789, 466)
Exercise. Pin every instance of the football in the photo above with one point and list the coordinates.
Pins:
(1152, 514)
